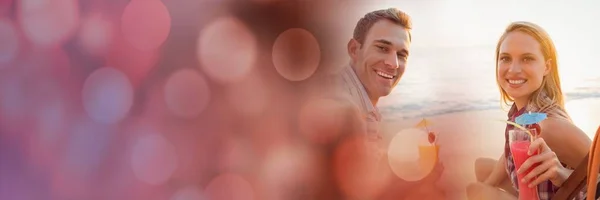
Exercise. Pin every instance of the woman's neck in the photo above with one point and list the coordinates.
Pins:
(521, 102)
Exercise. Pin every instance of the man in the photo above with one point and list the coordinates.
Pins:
(379, 51)
(378, 54)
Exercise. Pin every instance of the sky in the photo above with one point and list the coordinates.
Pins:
(441, 24)
(480, 22)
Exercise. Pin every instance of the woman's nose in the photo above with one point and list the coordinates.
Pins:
(514, 67)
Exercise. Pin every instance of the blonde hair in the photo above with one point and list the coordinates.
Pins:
(549, 97)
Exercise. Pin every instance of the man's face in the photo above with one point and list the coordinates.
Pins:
(380, 61)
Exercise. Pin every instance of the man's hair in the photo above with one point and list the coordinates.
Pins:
(392, 14)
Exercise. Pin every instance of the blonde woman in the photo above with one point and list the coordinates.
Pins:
(528, 79)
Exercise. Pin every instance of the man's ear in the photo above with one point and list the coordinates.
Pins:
(353, 47)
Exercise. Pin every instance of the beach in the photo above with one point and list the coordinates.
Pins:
(465, 136)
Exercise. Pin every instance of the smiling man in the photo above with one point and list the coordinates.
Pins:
(378, 52)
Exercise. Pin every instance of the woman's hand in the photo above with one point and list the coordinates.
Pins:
(548, 166)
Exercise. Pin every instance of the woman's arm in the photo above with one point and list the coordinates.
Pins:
(560, 142)
(498, 174)
(570, 143)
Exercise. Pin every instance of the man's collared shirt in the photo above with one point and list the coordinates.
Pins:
(358, 95)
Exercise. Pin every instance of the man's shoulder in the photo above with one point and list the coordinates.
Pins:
(335, 86)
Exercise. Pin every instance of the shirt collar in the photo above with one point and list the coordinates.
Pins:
(367, 105)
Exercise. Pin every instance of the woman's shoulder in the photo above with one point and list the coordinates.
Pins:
(553, 110)
(557, 129)
(564, 138)
(558, 124)
(553, 123)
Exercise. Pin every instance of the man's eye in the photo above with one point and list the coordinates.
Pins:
(402, 56)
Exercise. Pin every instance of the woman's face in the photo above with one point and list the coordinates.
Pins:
(521, 65)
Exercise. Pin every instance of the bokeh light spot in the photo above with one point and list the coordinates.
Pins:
(48, 23)
(9, 40)
(95, 34)
(146, 24)
(227, 49)
(136, 64)
(229, 187)
(286, 170)
(410, 156)
(186, 93)
(236, 155)
(153, 158)
(107, 95)
(296, 54)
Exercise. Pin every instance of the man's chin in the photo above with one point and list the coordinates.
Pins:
(385, 92)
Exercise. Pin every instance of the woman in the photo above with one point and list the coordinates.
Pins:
(527, 75)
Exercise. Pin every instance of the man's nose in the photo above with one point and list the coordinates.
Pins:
(392, 61)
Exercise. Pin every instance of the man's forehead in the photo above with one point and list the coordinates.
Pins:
(385, 30)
